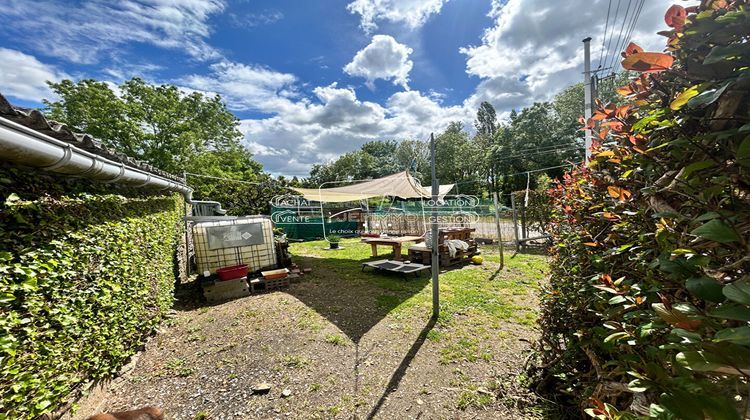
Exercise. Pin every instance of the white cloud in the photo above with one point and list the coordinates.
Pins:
(22, 76)
(384, 58)
(534, 49)
(251, 20)
(338, 122)
(245, 87)
(83, 32)
(412, 13)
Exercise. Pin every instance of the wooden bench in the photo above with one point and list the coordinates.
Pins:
(394, 242)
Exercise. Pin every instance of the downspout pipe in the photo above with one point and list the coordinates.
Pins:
(24, 146)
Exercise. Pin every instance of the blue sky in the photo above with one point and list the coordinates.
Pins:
(311, 80)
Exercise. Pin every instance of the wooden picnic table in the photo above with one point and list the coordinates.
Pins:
(394, 242)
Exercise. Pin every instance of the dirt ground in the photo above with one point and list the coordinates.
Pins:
(340, 343)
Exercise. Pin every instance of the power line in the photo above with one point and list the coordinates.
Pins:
(626, 38)
(604, 38)
(629, 34)
(539, 148)
(611, 35)
(619, 36)
(226, 179)
(542, 169)
(519, 173)
(639, 8)
(538, 153)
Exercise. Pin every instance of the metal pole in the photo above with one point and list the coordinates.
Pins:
(588, 99)
(515, 219)
(497, 225)
(435, 233)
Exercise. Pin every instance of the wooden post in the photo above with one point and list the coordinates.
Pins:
(497, 225)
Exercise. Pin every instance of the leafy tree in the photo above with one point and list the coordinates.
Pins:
(375, 159)
(415, 156)
(486, 126)
(458, 161)
(161, 125)
(486, 122)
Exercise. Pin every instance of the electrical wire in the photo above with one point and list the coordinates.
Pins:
(604, 38)
(540, 148)
(229, 179)
(611, 35)
(521, 173)
(629, 34)
(616, 51)
(626, 37)
(538, 153)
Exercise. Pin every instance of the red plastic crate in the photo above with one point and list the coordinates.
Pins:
(232, 272)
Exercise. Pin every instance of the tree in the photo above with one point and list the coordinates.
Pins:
(486, 125)
(415, 156)
(457, 159)
(486, 122)
(172, 130)
(374, 159)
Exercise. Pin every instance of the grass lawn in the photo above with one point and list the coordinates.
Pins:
(347, 344)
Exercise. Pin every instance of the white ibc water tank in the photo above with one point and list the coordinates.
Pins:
(233, 242)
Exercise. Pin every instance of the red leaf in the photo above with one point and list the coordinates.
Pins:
(619, 193)
(675, 17)
(631, 49)
(611, 216)
(625, 90)
(622, 111)
(615, 125)
(598, 116)
(648, 62)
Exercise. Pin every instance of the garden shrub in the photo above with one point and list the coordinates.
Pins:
(647, 309)
(83, 280)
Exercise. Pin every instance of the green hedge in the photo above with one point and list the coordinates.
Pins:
(647, 309)
(84, 279)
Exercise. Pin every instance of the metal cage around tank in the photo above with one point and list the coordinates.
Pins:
(258, 253)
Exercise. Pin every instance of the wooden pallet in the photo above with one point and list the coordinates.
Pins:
(424, 256)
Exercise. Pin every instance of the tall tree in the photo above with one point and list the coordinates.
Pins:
(172, 130)
(486, 125)
(486, 122)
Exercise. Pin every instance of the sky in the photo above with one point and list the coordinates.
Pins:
(311, 80)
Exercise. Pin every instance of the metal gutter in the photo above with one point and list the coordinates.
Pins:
(25, 146)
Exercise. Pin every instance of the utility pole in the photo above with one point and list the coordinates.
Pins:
(588, 98)
(434, 237)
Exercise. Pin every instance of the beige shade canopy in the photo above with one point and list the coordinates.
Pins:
(401, 185)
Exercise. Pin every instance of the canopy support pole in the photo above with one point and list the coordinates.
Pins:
(499, 235)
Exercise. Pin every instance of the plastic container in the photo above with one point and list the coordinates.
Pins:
(275, 274)
(261, 256)
(232, 272)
